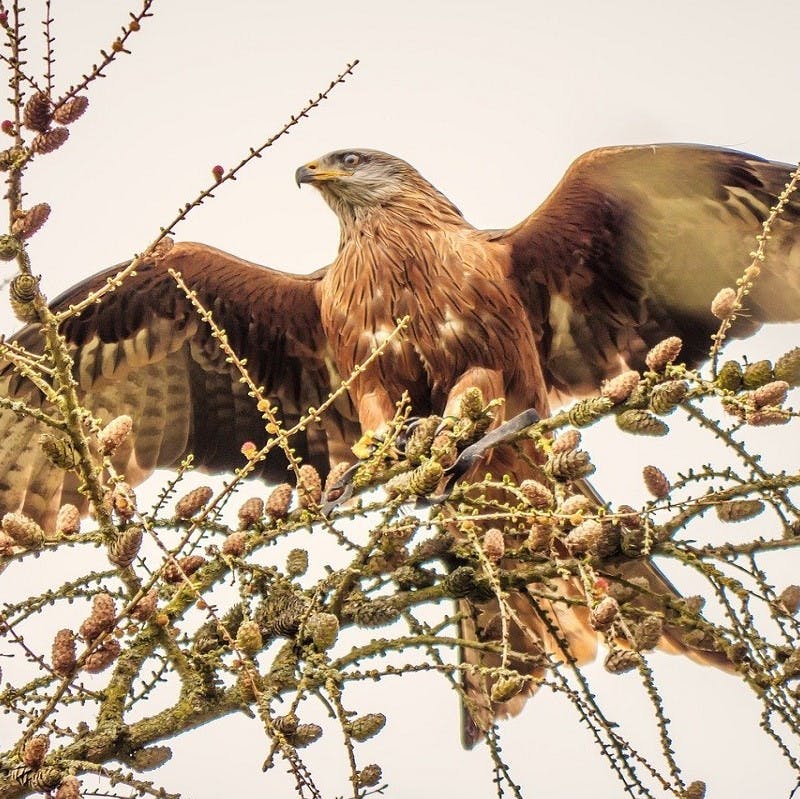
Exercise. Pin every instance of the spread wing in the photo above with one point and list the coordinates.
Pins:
(144, 351)
(635, 242)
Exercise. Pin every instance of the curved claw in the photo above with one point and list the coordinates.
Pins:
(345, 485)
(505, 432)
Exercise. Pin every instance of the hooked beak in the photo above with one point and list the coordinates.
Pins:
(312, 173)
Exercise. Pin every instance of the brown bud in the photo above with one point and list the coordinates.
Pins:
(174, 572)
(584, 538)
(123, 500)
(663, 353)
(647, 633)
(765, 418)
(334, 476)
(667, 396)
(757, 374)
(126, 546)
(68, 520)
(738, 510)
(619, 388)
(790, 598)
(279, 501)
(70, 788)
(773, 393)
(286, 724)
(49, 141)
(190, 504)
(102, 657)
(587, 411)
(304, 735)
(71, 110)
(618, 661)
(248, 638)
(162, 248)
(37, 113)
(59, 451)
(24, 530)
(656, 481)
(7, 544)
(420, 440)
(537, 494)
(539, 537)
(577, 503)
(234, 544)
(724, 304)
(35, 750)
(63, 655)
(9, 249)
(787, 367)
(101, 619)
(365, 727)
(506, 688)
(729, 376)
(472, 403)
(566, 441)
(31, 221)
(695, 790)
(151, 757)
(297, 562)
(369, 776)
(494, 544)
(424, 479)
(146, 606)
(375, 613)
(114, 433)
(569, 465)
(324, 629)
(251, 512)
(309, 486)
(443, 449)
(641, 423)
(603, 614)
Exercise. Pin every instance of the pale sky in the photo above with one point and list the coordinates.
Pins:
(490, 102)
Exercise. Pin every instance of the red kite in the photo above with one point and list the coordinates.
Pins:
(629, 248)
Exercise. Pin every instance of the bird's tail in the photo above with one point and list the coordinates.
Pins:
(553, 622)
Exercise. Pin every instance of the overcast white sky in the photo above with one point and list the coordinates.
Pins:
(491, 101)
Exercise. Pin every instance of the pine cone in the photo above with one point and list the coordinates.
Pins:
(31, 221)
(71, 110)
(64, 653)
(37, 113)
(126, 547)
(619, 388)
(656, 481)
(279, 501)
(665, 352)
(642, 423)
(103, 656)
(365, 727)
(189, 504)
(49, 141)
(309, 486)
(114, 433)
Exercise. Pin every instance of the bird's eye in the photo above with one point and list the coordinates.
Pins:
(351, 160)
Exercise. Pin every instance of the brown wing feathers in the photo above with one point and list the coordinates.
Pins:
(634, 243)
(144, 351)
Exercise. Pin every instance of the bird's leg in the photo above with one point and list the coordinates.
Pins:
(375, 411)
(491, 384)
(489, 381)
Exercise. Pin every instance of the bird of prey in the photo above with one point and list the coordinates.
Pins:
(629, 248)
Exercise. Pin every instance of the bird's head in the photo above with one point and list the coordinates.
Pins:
(354, 181)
